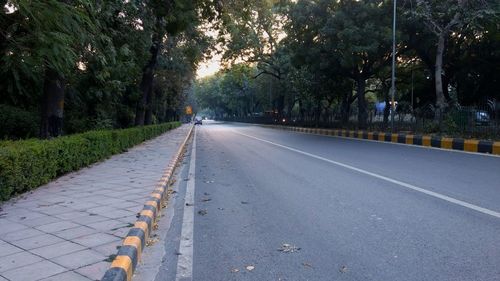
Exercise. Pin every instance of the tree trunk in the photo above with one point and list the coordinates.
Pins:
(362, 114)
(345, 108)
(148, 118)
(290, 105)
(52, 105)
(146, 85)
(301, 112)
(438, 77)
(317, 113)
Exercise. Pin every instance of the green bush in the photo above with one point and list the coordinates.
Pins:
(27, 164)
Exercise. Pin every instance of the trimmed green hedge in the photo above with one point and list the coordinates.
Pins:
(27, 164)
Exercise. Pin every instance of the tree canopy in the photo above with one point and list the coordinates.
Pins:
(324, 59)
(76, 65)
(98, 64)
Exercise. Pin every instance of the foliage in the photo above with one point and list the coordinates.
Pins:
(17, 123)
(27, 164)
(326, 60)
(232, 93)
(316, 60)
(99, 51)
(39, 35)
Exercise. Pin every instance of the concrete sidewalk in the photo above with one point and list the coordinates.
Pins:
(70, 229)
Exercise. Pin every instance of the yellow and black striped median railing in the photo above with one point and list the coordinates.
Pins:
(128, 256)
(470, 145)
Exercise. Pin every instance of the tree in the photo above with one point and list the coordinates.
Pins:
(44, 39)
(359, 35)
(251, 32)
(176, 71)
(442, 18)
(104, 88)
(168, 19)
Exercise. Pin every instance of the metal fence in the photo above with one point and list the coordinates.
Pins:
(460, 121)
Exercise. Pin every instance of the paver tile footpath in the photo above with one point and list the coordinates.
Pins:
(70, 228)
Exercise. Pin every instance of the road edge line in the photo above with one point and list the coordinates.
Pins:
(186, 244)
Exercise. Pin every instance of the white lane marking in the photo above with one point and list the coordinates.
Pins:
(185, 259)
(400, 183)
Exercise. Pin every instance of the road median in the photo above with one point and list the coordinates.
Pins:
(460, 144)
(129, 254)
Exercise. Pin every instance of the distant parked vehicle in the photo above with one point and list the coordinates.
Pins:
(482, 117)
(197, 121)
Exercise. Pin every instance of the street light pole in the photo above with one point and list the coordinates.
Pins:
(393, 76)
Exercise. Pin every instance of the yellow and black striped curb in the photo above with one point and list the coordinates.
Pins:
(470, 145)
(128, 256)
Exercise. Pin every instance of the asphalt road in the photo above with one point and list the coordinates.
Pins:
(349, 210)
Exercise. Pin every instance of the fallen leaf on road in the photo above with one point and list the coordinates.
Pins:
(288, 248)
(343, 269)
(151, 242)
(202, 212)
(235, 270)
(250, 267)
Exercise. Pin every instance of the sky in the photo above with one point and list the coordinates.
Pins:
(209, 67)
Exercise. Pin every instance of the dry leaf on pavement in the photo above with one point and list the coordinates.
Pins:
(288, 248)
